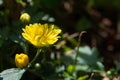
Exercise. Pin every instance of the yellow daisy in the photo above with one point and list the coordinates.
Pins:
(41, 35)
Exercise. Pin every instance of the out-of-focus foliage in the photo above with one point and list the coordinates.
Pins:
(14, 74)
(98, 56)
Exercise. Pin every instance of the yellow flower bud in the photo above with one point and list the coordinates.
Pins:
(25, 17)
(21, 60)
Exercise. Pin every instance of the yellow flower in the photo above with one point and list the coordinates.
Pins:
(25, 17)
(21, 60)
(41, 35)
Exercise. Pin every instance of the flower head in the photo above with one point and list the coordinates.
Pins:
(25, 17)
(41, 35)
(21, 60)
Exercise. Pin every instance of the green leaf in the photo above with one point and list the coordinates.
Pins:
(70, 69)
(87, 55)
(83, 77)
(12, 74)
(1, 2)
(117, 64)
(85, 68)
(88, 59)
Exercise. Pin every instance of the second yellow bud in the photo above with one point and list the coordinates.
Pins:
(25, 18)
(21, 60)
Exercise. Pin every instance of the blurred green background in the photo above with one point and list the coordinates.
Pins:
(99, 51)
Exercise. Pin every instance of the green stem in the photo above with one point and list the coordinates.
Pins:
(26, 48)
(78, 46)
(36, 56)
(77, 51)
